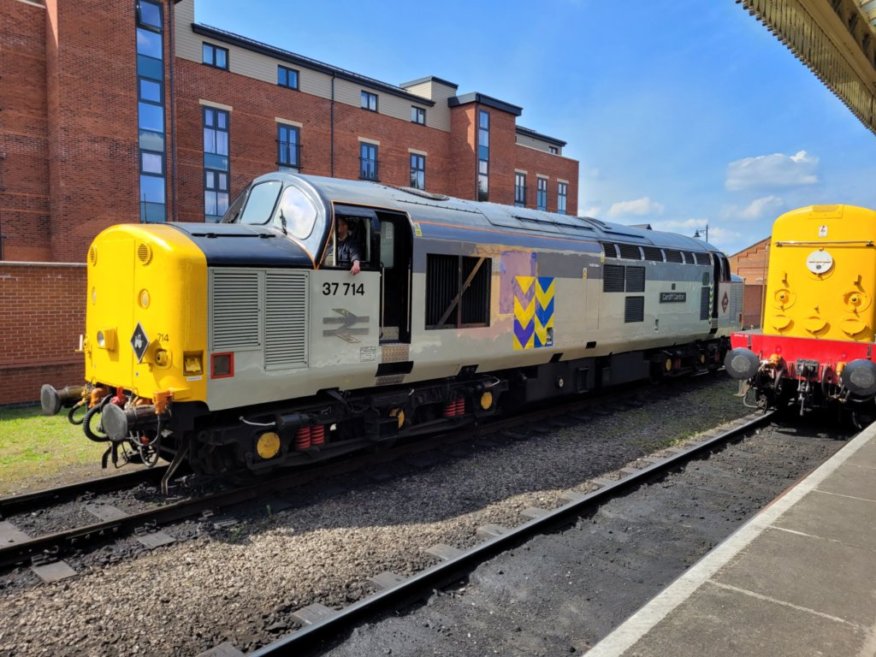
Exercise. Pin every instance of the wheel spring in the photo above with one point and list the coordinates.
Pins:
(303, 438)
(455, 408)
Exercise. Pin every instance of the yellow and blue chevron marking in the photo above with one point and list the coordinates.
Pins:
(533, 311)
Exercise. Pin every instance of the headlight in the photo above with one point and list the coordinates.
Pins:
(106, 339)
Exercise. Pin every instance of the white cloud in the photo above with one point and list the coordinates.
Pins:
(763, 206)
(683, 226)
(592, 211)
(638, 207)
(776, 170)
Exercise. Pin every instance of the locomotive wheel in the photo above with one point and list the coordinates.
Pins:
(207, 459)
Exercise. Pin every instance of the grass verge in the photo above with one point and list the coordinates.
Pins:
(35, 449)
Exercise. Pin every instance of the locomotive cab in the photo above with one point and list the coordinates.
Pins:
(384, 240)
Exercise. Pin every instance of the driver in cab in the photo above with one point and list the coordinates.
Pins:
(349, 253)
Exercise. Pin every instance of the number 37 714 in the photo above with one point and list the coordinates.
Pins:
(343, 289)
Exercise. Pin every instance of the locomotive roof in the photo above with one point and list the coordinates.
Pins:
(425, 206)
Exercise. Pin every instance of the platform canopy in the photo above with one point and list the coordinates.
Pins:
(836, 39)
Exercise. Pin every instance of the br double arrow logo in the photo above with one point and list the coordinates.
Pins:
(348, 321)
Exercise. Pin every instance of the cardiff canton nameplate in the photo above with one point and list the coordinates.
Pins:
(673, 297)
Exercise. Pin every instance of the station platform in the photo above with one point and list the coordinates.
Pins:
(798, 579)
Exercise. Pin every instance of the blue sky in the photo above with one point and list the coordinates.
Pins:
(680, 113)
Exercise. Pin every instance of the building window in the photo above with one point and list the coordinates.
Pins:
(418, 115)
(553, 150)
(215, 195)
(367, 161)
(216, 163)
(149, 15)
(368, 101)
(520, 190)
(214, 56)
(418, 171)
(288, 146)
(150, 111)
(541, 193)
(287, 77)
(483, 155)
(562, 194)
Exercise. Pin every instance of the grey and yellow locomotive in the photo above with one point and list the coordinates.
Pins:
(252, 343)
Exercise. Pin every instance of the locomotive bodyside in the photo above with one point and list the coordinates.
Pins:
(816, 344)
(245, 344)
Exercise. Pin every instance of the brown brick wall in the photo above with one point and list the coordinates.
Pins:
(556, 168)
(463, 151)
(24, 207)
(44, 313)
(92, 121)
(752, 264)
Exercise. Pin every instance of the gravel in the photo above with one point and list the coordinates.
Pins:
(239, 577)
(561, 593)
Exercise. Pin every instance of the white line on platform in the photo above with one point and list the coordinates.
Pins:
(628, 633)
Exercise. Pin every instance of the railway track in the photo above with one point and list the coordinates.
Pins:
(27, 502)
(19, 549)
(321, 625)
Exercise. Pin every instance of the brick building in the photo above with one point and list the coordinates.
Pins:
(752, 265)
(129, 111)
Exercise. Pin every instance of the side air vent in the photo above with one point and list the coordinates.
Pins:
(613, 278)
(705, 302)
(235, 310)
(634, 309)
(285, 319)
(635, 279)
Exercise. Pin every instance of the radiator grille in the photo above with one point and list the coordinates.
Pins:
(285, 319)
(235, 320)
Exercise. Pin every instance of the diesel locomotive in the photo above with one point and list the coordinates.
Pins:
(247, 345)
(815, 348)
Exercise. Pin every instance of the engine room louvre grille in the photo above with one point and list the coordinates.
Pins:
(629, 251)
(672, 255)
(285, 319)
(613, 278)
(635, 279)
(653, 253)
(235, 310)
(610, 249)
(634, 309)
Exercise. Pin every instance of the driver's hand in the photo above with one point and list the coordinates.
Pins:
(355, 269)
